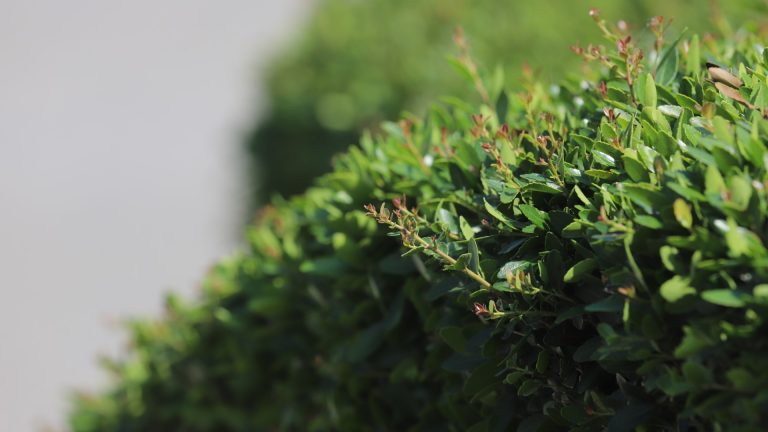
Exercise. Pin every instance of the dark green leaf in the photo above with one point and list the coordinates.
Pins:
(579, 270)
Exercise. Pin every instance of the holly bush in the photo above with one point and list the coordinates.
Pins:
(360, 62)
(587, 256)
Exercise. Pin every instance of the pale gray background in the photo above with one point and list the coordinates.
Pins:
(120, 172)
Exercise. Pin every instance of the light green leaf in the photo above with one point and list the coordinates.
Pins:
(512, 267)
(474, 253)
(466, 229)
(693, 342)
(665, 74)
(579, 270)
(713, 181)
(724, 297)
(676, 288)
(647, 91)
(693, 58)
(648, 222)
(498, 215)
(683, 213)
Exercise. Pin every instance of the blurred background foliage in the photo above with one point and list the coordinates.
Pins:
(359, 62)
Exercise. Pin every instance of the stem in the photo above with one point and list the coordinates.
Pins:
(631, 259)
(450, 260)
(421, 219)
(556, 294)
(447, 258)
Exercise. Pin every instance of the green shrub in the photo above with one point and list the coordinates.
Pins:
(363, 61)
(580, 257)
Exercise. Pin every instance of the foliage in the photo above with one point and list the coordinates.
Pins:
(587, 256)
(363, 61)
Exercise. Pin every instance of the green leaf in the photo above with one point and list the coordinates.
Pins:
(665, 74)
(683, 213)
(686, 102)
(600, 174)
(635, 169)
(554, 270)
(646, 196)
(741, 379)
(453, 336)
(542, 361)
(528, 387)
(493, 211)
(540, 183)
(693, 342)
(502, 106)
(722, 129)
(630, 417)
(474, 262)
(447, 218)
(741, 192)
(572, 312)
(586, 351)
(696, 374)
(461, 67)
(536, 216)
(466, 229)
(572, 230)
(603, 158)
(676, 288)
(713, 181)
(724, 297)
(512, 267)
(579, 270)
(670, 258)
(461, 263)
(671, 110)
(482, 378)
(443, 287)
(648, 222)
(740, 241)
(693, 57)
(513, 377)
(550, 188)
(614, 303)
(760, 292)
(582, 197)
(575, 414)
(324, 266)
(647, 91)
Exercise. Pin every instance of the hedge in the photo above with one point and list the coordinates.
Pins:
(585, 256)
(360, 62)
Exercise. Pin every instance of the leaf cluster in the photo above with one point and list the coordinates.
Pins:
(584, 257)
(358, 63)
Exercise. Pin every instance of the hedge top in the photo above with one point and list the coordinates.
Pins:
(360, 62)
(584, 256)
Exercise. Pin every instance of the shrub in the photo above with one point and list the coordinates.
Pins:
(363, 61)
(583, 257)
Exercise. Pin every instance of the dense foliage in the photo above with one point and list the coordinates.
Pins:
(363, 61)
(584, 256)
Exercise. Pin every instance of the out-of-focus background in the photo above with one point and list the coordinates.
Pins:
(137, 138)
(121, 129)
